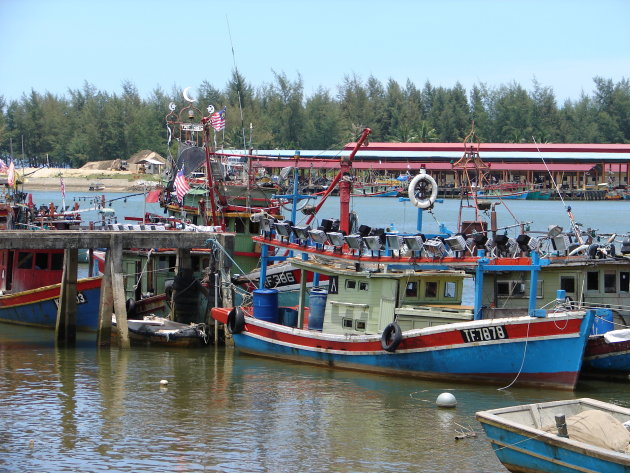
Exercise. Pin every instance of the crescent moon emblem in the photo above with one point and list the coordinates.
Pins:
(171, 106)
(186, 97)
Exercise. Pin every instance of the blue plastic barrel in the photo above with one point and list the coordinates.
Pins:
(603, 322)
(317, 304)
(266, 304)
(289, 316)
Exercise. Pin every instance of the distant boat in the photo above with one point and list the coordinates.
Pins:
(526, 440)
(96, 186)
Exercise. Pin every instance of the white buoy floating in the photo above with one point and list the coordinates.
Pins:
(446, 400)
(163, 382)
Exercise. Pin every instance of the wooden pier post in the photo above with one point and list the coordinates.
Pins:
(105, 305)
(66, 325)
(118, 290)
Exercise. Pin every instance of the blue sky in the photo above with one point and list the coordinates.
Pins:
(56, 45)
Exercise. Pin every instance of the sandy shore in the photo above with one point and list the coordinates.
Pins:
(80, 180)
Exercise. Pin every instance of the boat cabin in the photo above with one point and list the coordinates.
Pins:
(362, 302)
(22, 270)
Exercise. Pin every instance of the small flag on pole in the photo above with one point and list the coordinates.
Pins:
(11, 175)
(181, 185)
(153, 196)
(3, 166)
(63, 189)
(218, 119)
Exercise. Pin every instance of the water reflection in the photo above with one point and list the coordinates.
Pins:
(104, 410)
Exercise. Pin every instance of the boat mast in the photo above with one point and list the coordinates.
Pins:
(345, 186)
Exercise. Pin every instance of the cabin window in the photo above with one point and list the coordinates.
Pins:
(363, 286)
(510, 289)
(411, 289)
(430, 289)
(360, 325)
(567, 283)
(592, 281)
(624, 281)
(56, 261)
(25, 260)
(254, 227)
(347, 323)
(239, 226)
(41, 260)
(350, 284)
(449, 289)
(610, 282)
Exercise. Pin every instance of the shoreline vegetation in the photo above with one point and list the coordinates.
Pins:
(49, 179)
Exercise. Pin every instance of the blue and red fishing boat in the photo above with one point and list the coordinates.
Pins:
(397, 309)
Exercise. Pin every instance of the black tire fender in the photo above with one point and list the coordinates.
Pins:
(236, 320)
(391, 337)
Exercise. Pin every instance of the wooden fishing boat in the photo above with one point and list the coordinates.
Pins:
(37, 307)
(526, 440)
(401, 312)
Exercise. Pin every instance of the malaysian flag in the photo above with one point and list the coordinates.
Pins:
(181, 185)
(63, 189)
(218, 119)
(3, 166)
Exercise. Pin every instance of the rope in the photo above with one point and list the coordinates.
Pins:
(522, 361)
(135, 286)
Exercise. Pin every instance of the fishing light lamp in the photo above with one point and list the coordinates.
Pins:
(456, 243)
(393, 241)
(336, 239)
(318, 236)
(283, 229)
(435, 248)
(301, 232)
(373, 242)
(354, 242)
(554, 231)
(414, 242)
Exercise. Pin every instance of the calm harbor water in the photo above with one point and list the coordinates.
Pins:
(91, 410)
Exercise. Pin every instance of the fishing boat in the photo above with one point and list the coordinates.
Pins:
(207, 188)
(400, 312)
(160, 331)
(576, 435)
(506, 191)
(37, 307)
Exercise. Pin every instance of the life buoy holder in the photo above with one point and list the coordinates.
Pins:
(391, 337)
(423, 197)
(236, 320)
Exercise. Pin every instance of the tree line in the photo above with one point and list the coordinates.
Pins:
(90, 125)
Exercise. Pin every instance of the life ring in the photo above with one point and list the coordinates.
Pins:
(391, 337)
(236, 320)
(419, 198)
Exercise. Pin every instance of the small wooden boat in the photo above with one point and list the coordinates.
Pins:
(159, 331)
(526, 440)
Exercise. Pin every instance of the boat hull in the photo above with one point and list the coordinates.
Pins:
(607, 357)
(526, 449)
(38, 307)
(452, 352)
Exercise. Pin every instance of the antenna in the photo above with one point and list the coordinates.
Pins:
(238, 84)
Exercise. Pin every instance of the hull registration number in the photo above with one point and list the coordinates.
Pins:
(483, 334)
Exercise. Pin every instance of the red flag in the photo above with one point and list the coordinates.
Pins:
(153, 196)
